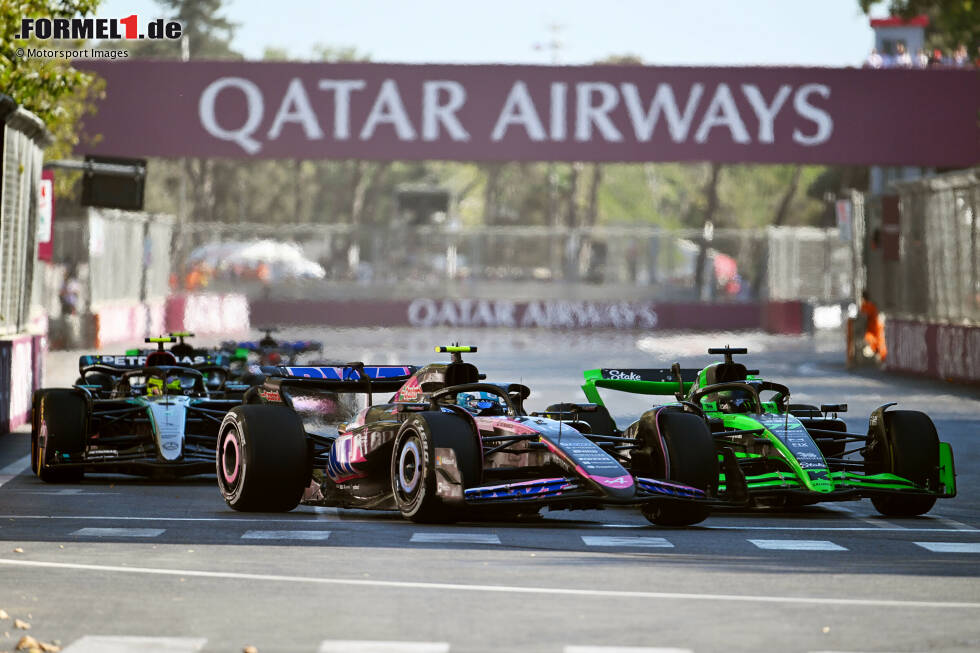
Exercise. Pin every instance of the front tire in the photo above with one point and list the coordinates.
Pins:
(414, 477)
(910, 450)
(58, 426)
(684, 451)
(262, 461)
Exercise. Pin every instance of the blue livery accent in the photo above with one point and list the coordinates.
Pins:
(670, 489)
(340, 373)
(545, 488)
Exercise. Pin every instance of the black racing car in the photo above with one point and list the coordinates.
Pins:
(142, 415)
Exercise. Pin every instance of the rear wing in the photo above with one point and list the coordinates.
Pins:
(644, 381)
(135, 360)
(350, 377)
(120, 362)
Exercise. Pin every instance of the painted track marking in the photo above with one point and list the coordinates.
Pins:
(364, 646)
(286, 535)
(797, 545)
(600, 540)
(11, 471)
(500, 589)
(304, 518)
(455, 538)
(951, 547)
(623, 649)
(20, 465)
(958, 525)
(129, 644)
(119, 532)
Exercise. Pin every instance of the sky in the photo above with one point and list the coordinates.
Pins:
(660, 32)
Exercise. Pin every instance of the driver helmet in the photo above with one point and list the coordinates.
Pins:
(734, 400)
(155, 385)
(480, 403)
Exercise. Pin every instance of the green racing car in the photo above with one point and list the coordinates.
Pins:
(789, 454)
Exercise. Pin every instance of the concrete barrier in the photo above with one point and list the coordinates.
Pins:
(124, 322)
(943, 351)
(17, 380)
(208, 314)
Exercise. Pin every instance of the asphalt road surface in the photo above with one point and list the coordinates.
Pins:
(119, 564)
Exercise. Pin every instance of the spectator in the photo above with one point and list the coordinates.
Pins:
(960, 57)
(937, 58)
(71, 293)
(976, 62)
(902, 58)
(874, 60)
(921, 59)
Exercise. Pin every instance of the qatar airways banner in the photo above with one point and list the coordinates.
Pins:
(535, 113)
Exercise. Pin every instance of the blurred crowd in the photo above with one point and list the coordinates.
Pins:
(902, 58)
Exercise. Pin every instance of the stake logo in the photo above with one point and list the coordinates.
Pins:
(98, 28)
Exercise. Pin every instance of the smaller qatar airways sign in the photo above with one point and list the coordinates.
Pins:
(533, 113)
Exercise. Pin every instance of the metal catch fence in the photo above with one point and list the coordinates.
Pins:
(23, 137)
(121, 255)
(782, 263)
(923, 248)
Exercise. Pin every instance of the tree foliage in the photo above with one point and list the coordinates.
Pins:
(951, 22)
(206, 33)
(51, 88)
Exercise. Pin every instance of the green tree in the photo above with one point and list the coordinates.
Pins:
(951, 22)
(206, 33)
(51, 88)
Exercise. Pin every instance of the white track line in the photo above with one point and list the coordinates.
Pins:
(958, 525)
(834, 529)
(363, 646)
(601, 540)
(126, 644)
(878, 523)
(499, 589)
(229, 520)
(16, 467)
(119, 532)
(454, 538)
(623, 649)
(304, 518)
(286, 535)
(11, 471)
(951, 547)
(797, 545)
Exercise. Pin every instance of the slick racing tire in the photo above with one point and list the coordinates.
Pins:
(692, 460)
(911, 451)
(263, 461)
(58, 424)
(414, 477)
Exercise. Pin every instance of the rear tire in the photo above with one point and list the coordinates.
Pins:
(262, 461)
(911, 450)
(414, 480)
(58, 426)
(692, 459)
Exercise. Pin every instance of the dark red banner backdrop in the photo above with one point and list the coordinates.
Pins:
(536, 113)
